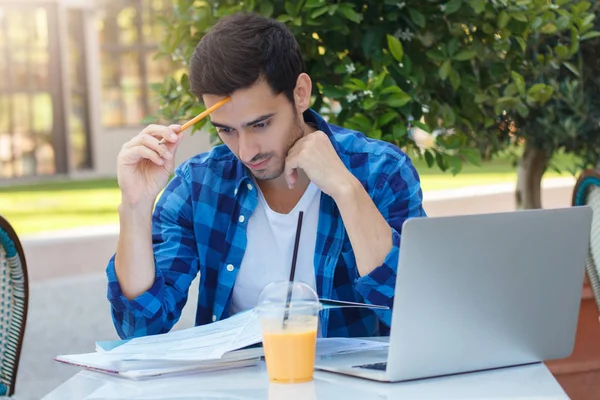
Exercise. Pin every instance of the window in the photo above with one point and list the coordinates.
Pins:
(29, 128)
(128, 33)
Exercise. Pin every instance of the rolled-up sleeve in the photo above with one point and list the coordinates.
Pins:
(176, 265)
(399, 199)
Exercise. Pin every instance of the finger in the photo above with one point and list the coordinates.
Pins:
(169, 133)
(291, 171)
(151, 142)
(136, 154)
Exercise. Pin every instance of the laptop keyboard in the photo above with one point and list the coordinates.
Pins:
(377, 366)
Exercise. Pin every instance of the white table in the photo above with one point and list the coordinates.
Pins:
(524, 382)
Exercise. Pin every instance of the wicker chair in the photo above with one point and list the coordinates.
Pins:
(13, 305)
(587, 191)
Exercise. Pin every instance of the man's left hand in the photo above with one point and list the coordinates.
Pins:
(315, 155)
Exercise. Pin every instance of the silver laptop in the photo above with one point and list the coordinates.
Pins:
(479, 292)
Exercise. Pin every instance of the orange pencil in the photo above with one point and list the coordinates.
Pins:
(200, 116)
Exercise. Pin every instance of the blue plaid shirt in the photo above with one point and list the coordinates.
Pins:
(199, 226)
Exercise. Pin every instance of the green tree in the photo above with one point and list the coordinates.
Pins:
(467, 71)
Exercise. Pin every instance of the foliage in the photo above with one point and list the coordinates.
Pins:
(466, 71)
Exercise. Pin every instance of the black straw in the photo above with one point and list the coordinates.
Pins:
(293, 269)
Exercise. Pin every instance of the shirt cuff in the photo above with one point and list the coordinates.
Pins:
(147, 304)
(378, 286)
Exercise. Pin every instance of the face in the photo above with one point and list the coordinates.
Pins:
(259, 127)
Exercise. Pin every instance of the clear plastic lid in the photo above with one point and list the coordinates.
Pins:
(296, 295)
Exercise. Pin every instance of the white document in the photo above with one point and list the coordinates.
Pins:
(205, 342)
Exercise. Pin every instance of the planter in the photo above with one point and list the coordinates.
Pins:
(579, 374)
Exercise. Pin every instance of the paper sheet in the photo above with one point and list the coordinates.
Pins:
(206, 342)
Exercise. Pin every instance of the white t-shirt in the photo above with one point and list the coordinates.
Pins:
(270, 248)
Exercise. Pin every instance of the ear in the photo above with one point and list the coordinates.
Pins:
(302, 92)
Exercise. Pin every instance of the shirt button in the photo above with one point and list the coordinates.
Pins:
(235, 192)
(230, 268)
(214, 318)
(249, 187)
(242, 218)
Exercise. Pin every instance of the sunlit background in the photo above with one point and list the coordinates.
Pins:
(70, 72)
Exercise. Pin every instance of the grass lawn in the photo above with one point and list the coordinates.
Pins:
(62, 205)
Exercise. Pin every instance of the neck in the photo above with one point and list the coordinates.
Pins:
(276, 191)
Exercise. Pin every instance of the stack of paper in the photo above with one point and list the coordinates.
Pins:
(208, 347)
(223, 344)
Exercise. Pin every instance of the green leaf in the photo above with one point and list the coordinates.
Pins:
(452, 45)
(399, 131)
(397, 99)
(478, 5)
(540, 93)
(421, 126)
(465, 55)
(445, 69)
(454, 79)
(289, 8)
(360, 122)
(429, 159)
(549, 28)
(334, 92)
(395, 47)
(313, 3)
(375, 134)
(519, 17)
(360, 85)
(436, 55)
(571, 68)
(266, 9)
(391, 89)
(536, 23)
(453, 6)
(481, 98)
(472, 155)
(503, 19)
(369, 103)
(378, 81)
(441, 162)
(590, 35)
(522, 109)
(350, 14)
(522, 43)
(519, 81)
(284, 18)
(386, 118)
(417, 17)
(319, 11)
(455, 163)
(562, 51)
(511, 90)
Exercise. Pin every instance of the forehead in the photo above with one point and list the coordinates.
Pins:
(246, 104)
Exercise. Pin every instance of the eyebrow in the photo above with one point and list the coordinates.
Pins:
(247, 124)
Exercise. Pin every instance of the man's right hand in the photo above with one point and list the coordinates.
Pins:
(144, 166)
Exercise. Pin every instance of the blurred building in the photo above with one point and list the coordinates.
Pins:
(74, 84)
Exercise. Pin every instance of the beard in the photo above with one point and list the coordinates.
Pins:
(275, 171)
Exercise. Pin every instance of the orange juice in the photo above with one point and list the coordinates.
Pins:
(290, 356)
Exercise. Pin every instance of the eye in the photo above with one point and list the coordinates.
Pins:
(262, 125)
(224, 131)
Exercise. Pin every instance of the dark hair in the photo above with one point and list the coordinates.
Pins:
(242, 48)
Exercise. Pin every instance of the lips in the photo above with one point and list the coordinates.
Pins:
(259, 165)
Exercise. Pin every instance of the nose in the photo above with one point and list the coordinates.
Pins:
(247, 148)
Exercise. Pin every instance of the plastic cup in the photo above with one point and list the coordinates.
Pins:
(289, 333)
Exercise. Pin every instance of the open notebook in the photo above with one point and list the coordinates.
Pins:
(229, 343)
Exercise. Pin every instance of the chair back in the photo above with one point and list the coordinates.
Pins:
(587, 192)
(13, 305)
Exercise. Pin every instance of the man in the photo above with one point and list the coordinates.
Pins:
(230, 214)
